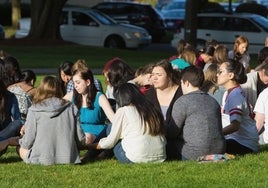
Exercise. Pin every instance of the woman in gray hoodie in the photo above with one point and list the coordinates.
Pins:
(52, 131)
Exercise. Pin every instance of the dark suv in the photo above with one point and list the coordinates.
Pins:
(143, 15)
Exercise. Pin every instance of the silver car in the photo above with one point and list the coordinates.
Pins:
(90, 27)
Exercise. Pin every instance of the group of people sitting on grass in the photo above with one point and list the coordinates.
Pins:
(191, 105)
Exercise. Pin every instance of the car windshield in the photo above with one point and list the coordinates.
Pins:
(262, 22)
(175, 5)
(103, 18)
(174, 14)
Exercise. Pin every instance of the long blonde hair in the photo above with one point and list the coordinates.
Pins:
(49, 87)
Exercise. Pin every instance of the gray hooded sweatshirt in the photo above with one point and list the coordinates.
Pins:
(52, 133)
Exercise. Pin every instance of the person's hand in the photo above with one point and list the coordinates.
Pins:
(22, 130)
(13, 141)
(92, 146)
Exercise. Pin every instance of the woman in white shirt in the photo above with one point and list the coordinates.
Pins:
(239, 126)
(137, 133)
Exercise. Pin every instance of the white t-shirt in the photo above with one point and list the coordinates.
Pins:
(235, 107)
(139, 146)
(261, 106)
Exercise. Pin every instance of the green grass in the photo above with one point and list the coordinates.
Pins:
(248, 171)
(52, 57)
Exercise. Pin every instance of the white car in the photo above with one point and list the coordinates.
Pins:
(225, 28)
(90, 27)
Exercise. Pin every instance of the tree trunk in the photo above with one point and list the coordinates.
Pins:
(230, 8)
(16, 14)
(45, 16)
(190, 24)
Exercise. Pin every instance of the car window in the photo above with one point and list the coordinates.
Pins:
(148, 10)
(103, 18)
(107, 8)
(262, 22)
(175, 5)
(124, 9)
(212, 23)
(242, 24)
(79, 18)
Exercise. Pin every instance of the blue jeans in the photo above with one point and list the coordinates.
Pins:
(120, 154)
(11, 130)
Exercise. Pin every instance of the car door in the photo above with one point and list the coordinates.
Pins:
(81, 28)
(245, 27)
(212, 27)
(225, 29)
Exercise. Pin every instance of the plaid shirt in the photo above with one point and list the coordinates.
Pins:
(70, 85)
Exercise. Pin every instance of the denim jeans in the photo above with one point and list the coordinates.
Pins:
(120, 154)
(11, 130)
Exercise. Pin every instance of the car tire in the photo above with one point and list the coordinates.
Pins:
(114, 42)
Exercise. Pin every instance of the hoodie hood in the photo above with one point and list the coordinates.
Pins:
(53, 106)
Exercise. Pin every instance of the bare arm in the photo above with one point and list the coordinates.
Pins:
(105, 105)
(234, 126)
(68, 96)
(259, 118)
(94, 146)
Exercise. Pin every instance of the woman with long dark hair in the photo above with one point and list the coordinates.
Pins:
(239, 126)
(138, 128)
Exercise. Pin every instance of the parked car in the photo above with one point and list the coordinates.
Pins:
(90, 27)
(225, 28)
(143, 15)
(2, 32)
(174, 19)
(253, 8)
(225, 5)
(174, 4)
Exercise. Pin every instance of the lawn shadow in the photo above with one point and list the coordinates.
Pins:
(264, 148)
(10, 159)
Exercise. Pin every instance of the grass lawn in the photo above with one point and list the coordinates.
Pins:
(247, 171)
(52, 57)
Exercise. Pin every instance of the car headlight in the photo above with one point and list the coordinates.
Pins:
(134, 34)
(137, 34)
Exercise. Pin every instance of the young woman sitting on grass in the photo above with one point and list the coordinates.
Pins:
(94, 108)
(52, 131)
(238, 122)
(137, 132)
(10, 119)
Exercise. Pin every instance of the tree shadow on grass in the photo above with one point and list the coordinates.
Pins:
(10, 156)
(10, 159)
(264, 148)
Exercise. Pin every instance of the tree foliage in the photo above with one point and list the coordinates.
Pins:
(16, 12)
